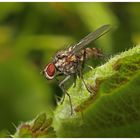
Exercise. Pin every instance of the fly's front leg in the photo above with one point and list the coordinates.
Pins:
(65, 92)
(61, 85)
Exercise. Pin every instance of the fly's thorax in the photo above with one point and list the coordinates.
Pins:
(60, 58)
(65, 62)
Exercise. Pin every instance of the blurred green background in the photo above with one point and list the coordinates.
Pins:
(31, 33)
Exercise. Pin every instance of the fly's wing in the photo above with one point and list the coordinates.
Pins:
(90, 37)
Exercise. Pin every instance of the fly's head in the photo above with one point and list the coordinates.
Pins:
(50, 71)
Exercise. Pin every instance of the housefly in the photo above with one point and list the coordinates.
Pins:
(70, 61)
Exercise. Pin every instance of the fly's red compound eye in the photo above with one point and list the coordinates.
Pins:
(50, 71)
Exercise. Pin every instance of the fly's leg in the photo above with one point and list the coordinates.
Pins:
(90, 90)
(63, 98)
(81, 74)
(74, 80)
(57, 98)
(61, 85)
(65, 92)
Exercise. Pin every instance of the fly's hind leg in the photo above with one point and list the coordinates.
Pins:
(61, 85)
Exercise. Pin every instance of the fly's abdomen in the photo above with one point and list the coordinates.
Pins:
(92, 52)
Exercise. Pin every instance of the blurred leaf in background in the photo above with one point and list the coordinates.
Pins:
(31, 33)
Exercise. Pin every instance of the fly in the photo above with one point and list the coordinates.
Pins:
(70, 62)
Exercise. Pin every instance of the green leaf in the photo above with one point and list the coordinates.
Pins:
(113, 110)
(40, 127)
